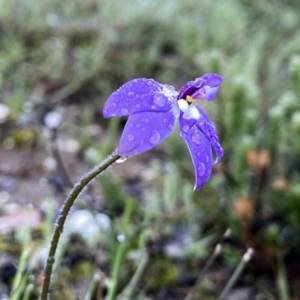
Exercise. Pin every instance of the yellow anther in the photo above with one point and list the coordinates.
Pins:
(190, 99)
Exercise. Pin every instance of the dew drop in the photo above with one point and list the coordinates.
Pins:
(170, 126)
(196, 139)
(124, 111)
(210, 130)
(160, 100)
(146, 120)
(202, 91)
(198, 154)
(208, 134)
(114, 104)
(165, 120)
(201, 169)
(130, 137)
(138, 106)
(155, 137)
(185, 128)
(143, 129)
(137, 125)
(206, 158)
(121, 160)
(130, 94)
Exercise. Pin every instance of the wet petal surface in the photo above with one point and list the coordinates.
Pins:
(144, 131)
(201, 153)
(209, 130)
(207, 127)
(205, 87)
(140, 95)
(187, 123)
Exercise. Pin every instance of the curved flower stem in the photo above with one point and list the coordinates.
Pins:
(77, 189)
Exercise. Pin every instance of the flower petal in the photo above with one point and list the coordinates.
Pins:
(205, 124)
(209, 130)
(200, 150)
(205, 87)
(187, 122)
(144, 131)
(139, 95)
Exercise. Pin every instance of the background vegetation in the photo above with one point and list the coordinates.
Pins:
(60, 60)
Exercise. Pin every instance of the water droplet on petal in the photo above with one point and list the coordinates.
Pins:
(219, 152)
(155, 138)
(121, 160)
(170, 126)
(143, 129)
(138, 106)
(124, 111)
(160, 100)
(165, 120)
(201, 169)
(185, 128)
(130, 93)
(196, 139)
(210, 130)
(206, 158)
(198, 154)
(149, 82)
(130, 137)
(217, 160)
(146, 120)
(137, 125)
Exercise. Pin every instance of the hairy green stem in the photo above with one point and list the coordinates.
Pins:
(77, 189)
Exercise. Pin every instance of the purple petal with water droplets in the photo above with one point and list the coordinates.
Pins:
(205, 87)
(139, 95)
(207, 92)
(144, 131)
(203, 114)
(213, 80)
(209, 130)
(186, 124)
(200, 150)
(207, 127)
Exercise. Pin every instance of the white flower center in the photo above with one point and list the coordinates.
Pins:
(183, 105)
(191, 113)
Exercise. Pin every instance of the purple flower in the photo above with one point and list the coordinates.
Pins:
(153, 110)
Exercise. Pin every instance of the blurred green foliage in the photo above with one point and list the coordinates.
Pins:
(72, 54)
